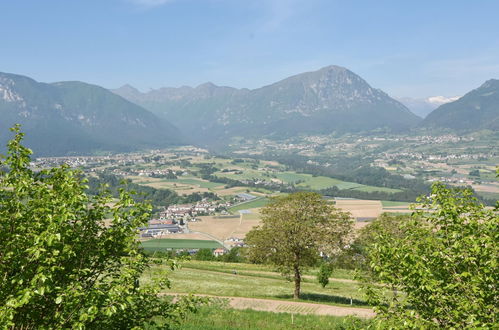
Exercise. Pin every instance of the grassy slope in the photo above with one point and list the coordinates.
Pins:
(257, 285)
(211, 318)
(243, 268)
(162, 244)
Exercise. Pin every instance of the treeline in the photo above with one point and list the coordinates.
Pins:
(157, 197)
(402, 196)
(353, 169)
(236, 255)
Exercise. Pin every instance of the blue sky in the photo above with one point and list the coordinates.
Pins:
(407, 48)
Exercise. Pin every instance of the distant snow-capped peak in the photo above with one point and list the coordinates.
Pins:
(439, 100)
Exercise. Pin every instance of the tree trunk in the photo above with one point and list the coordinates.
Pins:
(296, 294)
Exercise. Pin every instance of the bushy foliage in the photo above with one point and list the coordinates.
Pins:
(441, 265)
(325, 271)
(295, 229)
(69, 260)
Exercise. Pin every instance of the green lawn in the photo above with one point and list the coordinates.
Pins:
(162, 244)
(214, 317)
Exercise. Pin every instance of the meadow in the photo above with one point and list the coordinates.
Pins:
(211, 318)
(255, 281)
(163, 244)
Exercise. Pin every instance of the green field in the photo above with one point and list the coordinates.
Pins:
(202, 184)
(259, 202)
(211, 318)
(489, 195)
(372, 188)
(302, 180)
(163, 244)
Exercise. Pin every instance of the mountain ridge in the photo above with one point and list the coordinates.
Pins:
(330, 99)
(76, 117)
(476, 110)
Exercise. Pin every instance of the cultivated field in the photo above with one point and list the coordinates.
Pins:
(163, 244)
(224, 228)
(360, 208)
(256, 203)
(181, 186)
(220, 228)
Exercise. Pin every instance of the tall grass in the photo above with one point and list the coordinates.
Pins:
(211, 318)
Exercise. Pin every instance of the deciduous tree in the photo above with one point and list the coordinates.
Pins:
(295, 230)
(67, 259)
(443, 265)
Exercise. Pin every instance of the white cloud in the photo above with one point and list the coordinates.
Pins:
(439, 100)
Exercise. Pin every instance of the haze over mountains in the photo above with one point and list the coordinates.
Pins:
(78, 118)
(75, 117)
(423, 106)
(478, 109)
(332, 99)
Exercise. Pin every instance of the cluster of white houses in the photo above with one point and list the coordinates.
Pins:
(188, 212)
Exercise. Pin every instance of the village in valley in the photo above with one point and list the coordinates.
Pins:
(217, 197)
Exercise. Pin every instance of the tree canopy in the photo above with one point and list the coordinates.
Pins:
(68, 259)
(295, 230)
(441, 265)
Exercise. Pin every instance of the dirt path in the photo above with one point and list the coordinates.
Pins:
(276, 306)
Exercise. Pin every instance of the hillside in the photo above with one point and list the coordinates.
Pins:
(478, 109)
(328, 100)
(77, 118)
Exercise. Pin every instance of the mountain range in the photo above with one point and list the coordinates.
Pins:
(332, 99)
(77, 118)
(476, 110)
(423, 106)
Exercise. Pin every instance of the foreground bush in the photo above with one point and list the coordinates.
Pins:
(441, 265)
(69, 260)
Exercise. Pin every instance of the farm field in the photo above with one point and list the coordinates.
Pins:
(224, 228)
(220, 228)
(301, 180)
(182, 186)
(256, 203)
(360, 208)
(394, 204)
(163, 244)
(196, 182)
(192, 236)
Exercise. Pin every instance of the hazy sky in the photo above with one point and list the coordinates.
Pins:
(407, 48)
